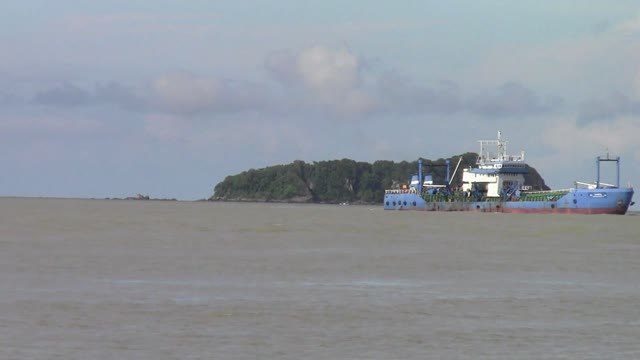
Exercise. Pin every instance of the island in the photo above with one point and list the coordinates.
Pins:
(340, 181)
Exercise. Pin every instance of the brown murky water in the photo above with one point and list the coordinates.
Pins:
(92, 279)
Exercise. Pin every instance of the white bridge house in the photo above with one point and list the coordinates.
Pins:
(495, 171)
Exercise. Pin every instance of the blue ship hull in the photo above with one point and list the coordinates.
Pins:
(576, 201)
(497, 184)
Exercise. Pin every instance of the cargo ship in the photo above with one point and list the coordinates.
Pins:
(497, 184)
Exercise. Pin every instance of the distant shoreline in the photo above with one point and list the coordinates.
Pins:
(136, 199)
(92, 198)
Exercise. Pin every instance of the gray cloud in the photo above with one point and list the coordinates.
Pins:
(602, 27)
(607, 109)
(7, 98)
(315, 79)
(511, 99)
(67, 95)
(118, 94)
(70, 95)
(399, 93)
(179, 93)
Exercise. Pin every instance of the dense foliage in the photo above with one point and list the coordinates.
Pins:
(336, 181)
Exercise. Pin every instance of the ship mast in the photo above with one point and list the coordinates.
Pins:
(502, 147)
(486, 157)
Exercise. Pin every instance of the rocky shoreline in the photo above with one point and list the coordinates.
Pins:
(140, 197)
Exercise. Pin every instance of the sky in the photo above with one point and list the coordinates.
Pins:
(167, 98)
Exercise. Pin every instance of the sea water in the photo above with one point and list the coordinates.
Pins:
(108, 279)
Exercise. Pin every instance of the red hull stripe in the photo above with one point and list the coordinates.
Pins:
(595, 211)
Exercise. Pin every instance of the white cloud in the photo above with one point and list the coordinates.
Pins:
(332, 78)
(618, 137)
(329, 72)
(563, 150)
(630, 26)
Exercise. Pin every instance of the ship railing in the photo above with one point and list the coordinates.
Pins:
(499, 159)
(594, 185)
(401, 191)
(555, 191)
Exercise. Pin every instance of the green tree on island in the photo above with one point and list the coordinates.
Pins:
(338, 181)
